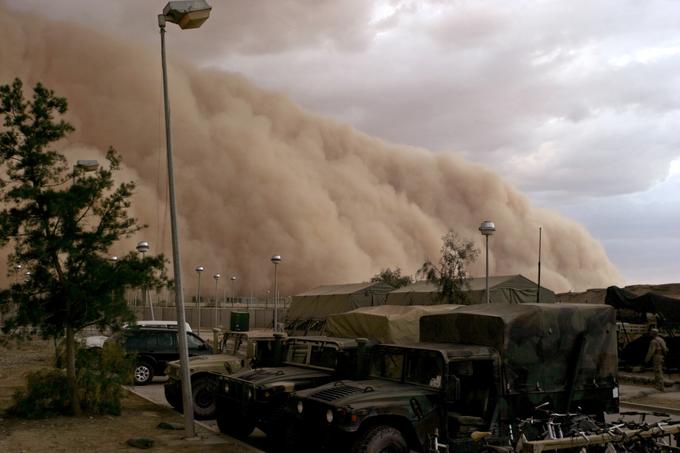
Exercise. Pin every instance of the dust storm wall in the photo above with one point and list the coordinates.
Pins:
(256, 175)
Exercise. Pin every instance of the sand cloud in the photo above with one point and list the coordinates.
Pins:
(257, 175)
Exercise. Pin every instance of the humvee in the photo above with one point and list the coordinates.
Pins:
(479, 369)
(255, 398)
(238, 350)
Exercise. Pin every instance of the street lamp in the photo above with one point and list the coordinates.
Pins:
(233, 282)
(276, 259)
(216, 277)
(199, 269)
(187, 14)
(487, 228)
(143, 247)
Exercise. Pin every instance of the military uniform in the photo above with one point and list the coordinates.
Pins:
(656, 353)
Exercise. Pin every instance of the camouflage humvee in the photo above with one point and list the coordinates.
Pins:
(239, 350)
(255, 398)
(478, 369)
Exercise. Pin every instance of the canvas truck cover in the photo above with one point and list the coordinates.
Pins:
(667, 308)
(384, 324)
(540, 345)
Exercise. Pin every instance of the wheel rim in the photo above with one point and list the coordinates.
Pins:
(204, 398)
(142, 373)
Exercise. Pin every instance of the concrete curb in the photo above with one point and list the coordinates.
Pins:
(648, 407)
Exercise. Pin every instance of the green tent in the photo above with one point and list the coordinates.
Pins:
(308, 311)
(508, 289)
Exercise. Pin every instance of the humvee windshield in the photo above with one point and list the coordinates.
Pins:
(413, 366)
(318, 355)
(234, 343)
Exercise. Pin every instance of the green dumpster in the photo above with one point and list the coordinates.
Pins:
(239, 321)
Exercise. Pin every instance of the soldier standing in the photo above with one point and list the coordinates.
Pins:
(656, 353)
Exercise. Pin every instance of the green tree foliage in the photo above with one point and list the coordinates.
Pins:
(61, 223)
(392, 277)
(450, 274)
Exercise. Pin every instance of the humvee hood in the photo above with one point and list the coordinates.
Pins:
(347, 393)
(267, 375)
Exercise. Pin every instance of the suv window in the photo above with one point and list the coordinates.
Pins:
(166, 340)
(193, 342)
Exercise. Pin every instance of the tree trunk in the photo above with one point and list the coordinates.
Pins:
(71, 370)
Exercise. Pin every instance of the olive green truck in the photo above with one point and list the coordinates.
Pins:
(475, 373)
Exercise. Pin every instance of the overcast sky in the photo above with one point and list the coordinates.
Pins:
(575, 102)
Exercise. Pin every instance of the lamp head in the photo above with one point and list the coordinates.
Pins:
(143, 247)
(186, 14)
(276, 259)
(200, 269)
(487, 228)
(87, 164)
(216, 277)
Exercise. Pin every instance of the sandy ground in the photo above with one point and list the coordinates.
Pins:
(86, 433)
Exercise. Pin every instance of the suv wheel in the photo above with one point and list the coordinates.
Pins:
(143, 373)
(203, 390)
(381, 439)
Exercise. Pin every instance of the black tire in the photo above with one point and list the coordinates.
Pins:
(381, 439)
(232, 422)
(203, 389)
(173, 394)
(143, 374)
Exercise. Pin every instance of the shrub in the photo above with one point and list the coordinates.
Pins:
(45, 395)
(100, 376)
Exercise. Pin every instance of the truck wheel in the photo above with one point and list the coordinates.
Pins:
(173, 394)
(381, 439)
(203, 391)
(143, 373)
(231, 422)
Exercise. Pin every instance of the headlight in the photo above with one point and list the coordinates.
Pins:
(300, 407)
(329, 416)
(226, 387)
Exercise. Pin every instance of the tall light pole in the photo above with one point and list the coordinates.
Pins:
(538, 289)
(487, 228)
(233, 282)
(143, 247)
(199, 270)
(276, 259)
(187, 14)
(216, 277)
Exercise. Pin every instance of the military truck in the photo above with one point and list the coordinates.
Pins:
(478, 369)
(238, 350)
(255, 398)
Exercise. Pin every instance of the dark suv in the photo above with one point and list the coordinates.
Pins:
(155, 347)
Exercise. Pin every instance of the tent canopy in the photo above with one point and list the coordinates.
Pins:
(510, 289)
(667, 308)
(384, 324)
(308, 311)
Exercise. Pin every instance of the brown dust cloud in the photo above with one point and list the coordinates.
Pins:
(256, 175)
